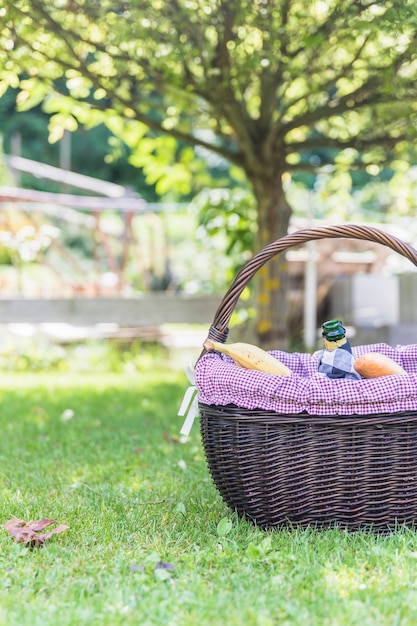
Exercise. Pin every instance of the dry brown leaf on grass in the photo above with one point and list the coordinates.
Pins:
(30, 533)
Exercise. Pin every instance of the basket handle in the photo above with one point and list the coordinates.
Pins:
(219, 328)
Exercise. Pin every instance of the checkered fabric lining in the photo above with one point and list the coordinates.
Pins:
(219, 381)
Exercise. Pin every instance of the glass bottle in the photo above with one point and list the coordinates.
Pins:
(334, 334)
(336, 359)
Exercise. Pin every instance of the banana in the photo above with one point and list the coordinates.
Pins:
(249, 356)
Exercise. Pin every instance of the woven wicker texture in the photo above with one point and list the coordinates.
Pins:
(304, 470)
(301, 471)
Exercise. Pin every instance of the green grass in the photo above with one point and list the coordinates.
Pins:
(135, 495)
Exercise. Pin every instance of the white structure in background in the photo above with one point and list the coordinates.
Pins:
(367, 300)
(310, 290)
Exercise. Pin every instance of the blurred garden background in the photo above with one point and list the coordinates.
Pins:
(159, 164)
(148, 149)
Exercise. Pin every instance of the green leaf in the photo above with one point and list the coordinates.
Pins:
(260, 550)
(252, 551)
(180, 508)
(32, 93)
(224, 527)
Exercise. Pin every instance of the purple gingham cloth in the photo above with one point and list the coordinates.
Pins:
(219, 381)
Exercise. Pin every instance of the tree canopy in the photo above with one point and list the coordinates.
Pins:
(272, 86)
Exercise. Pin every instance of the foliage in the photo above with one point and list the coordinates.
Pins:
(92, 152)
(228, 217)
(24, 245)
(99, 356)
(150, 541)
(339, 76)
(272, 88)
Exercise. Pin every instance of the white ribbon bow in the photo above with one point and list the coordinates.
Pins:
(189, 404)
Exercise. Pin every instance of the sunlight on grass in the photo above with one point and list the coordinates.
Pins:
(150, 540)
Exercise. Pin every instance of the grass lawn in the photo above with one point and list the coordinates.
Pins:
(150, 541)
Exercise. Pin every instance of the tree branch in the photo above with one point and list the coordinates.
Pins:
(360, 144)
(362, 97)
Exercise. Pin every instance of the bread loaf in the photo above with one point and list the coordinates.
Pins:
(373, 364)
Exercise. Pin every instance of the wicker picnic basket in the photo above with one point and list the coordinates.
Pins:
(288, 470)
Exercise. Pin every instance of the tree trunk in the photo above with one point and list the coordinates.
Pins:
(271, 283)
